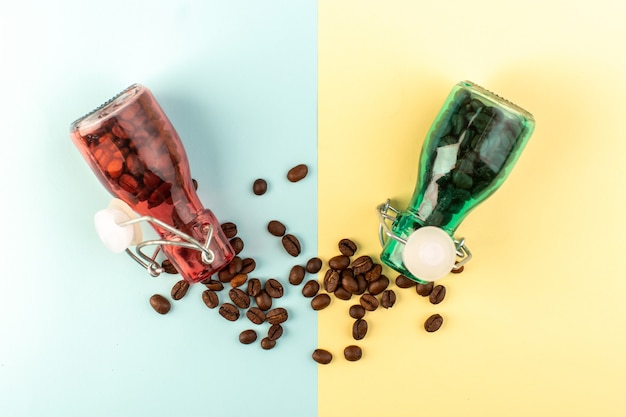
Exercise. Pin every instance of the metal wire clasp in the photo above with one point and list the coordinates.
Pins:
(149, 262)
(384, 232)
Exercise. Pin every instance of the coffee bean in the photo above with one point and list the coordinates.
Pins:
(437, 295)
(275, 331)
(238, 280)
(402, 281)
(424, 289)
(291, 245)
(369, 302)
(347, 247)
(229, 229)
(320, 301)
(276, 228)
(263, 300)
(339, 262)
(210, 298)
(180, 289)
(277, 315)
(388, 299)
(359, 329)
(433, 323)
(268, 343)
(357, 311)
(297, 173)
(214, 285)
(274, 288)
(332, 279)
(296, 275)
(362, 264)
(254, 287)
(247, 336)
(313, 265)
(458, 270)
(195, 184)
(378, 286)
(352, 353)
(322, 356)
(237, 244)
(255, 315)
(235, 265)
(168, 267)
(349, 282)
(259, 187)
(311, 288)
(374, 273)
(247, 265)
(160, 304)
(342, 294)
(229, 311)
(224, 275)
(240, 298)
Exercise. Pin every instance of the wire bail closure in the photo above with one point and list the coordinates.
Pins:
(384, 232)
(149, 262)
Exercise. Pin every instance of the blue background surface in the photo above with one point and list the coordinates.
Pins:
(238, 80)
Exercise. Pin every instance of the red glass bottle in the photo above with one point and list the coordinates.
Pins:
(133, 149)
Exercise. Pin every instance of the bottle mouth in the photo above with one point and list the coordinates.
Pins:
(429, 253)
(106, 109)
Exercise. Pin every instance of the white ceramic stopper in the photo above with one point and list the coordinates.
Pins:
(107, 223)
(429, 253)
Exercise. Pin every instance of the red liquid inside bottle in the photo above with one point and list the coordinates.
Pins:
(133, 149)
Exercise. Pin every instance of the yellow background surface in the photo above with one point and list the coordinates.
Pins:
(536, 325)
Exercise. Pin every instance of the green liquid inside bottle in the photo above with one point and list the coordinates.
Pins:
(469, 151)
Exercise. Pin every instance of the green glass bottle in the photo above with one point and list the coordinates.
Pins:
(469, 151)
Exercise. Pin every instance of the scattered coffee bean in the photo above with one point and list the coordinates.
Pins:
(352, 353)
(277, 316)
(229, 311)
(311, 288)
(433, 323)
(347, 247)
(297, 173)
(276, 228)
(229, 229)
(210, 298)
(255, 315)
(359, 329)
(224, 275)
(424, 289)
(437, 294)
(314, 265)
(275, 331)
(263, 300)
(363, 284)
(180, 289)
(268, 343)
(238, 280)
(296, 275)
(254, 287)
(160, 304)
(378, 286)
(374, 273)
(240, 298)
(332, 279)
(362, 264)
(259, 187)
(247, 265)
(237, 244)
(195, 184)
(349, 282)
(322, 356)
(343, 294)
(291, 245)
(274, 288)
(168, 267)
(458, 270)
(214, 285)
(402, 281)
(357, 311)
(339, 262)
(388, 299)
(320, 301)
(369, 302)
(247, 336)
(235, 265)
